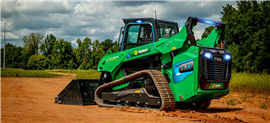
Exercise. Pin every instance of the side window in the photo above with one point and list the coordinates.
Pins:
(167, 30)
(138, 35)
(133, 33)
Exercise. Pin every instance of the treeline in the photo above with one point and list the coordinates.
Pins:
(247, 34)
(39, 54)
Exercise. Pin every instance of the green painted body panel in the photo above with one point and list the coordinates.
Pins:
(110, 61)
(166, 58)
(187, 87)
(204, 95)
(175, 42)
(210, 40)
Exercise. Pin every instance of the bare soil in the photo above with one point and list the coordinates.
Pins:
(32, 100)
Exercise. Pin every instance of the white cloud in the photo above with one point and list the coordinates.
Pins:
(22, 32)
(38, 8)
(49, 32)
(10, 35)
(116, 37)
(97, 20)
(76, 8)
(74, 42)
(215, 17)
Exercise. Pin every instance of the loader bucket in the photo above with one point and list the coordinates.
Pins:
(78, 92)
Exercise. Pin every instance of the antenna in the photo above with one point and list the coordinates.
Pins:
(155, 14)
(4, 46)
(5, 30)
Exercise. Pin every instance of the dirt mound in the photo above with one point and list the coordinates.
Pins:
(191, 114)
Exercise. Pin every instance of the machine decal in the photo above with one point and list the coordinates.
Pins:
(216, 86)
(143, 51)
(182, 70)
(173, 48)
(112, 59)
(217, 58)
(140, 51)
(213, 86)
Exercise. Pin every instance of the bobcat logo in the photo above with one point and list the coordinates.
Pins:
(135, 52)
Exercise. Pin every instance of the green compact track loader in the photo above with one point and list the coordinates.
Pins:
(158, 67)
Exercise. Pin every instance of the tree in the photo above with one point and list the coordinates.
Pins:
(66, 54)
(84, 53)
(247, 34)
(38, 62)
(2, 56)
(96, 56)
(55, 56)
(47, 46)
(14, 56)
(207, 31)
(32, 42)
(108, 44)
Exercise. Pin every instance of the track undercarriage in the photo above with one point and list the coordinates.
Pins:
(155, 92)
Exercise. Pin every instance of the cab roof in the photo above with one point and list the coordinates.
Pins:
(128, 20)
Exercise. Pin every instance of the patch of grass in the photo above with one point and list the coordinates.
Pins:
(250, 82)
(230, 102)
(81, 74)
(63, 71)
(87, 74)
(26, 73)
(244, 98)
(264, 105)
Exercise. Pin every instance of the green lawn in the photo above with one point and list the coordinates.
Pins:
(80, 74)
(252, 83)
(26, 73)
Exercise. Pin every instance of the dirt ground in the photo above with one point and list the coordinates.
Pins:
(32, 100)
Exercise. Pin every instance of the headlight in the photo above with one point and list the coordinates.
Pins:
(207, 55)
(228, 57)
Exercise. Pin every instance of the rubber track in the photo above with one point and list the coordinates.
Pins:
(165, 92)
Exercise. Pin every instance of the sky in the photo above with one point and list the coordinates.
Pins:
(96, 19)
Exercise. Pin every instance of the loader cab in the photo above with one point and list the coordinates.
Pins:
(141, 31)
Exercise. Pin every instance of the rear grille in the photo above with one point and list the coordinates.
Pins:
(228, 71)
(214, 67)
(218, 71)
(205, 69)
